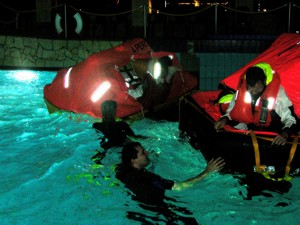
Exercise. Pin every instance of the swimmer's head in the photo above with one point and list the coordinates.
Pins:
(134, 155)
(109, 110)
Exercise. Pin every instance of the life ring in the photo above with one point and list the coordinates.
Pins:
(79, 23)
(78, 19)
(58, 27)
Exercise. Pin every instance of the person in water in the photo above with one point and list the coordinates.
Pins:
(115, 133)
(261, 103)
(149, 188)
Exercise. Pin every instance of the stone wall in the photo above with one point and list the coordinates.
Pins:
(47, 54)
(23, 52)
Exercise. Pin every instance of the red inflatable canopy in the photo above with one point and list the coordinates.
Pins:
(284, 57)
(83, 87)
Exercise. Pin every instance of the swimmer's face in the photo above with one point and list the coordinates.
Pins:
(142, 159)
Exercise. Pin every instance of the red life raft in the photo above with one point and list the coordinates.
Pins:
(242, 149)
(82, 88)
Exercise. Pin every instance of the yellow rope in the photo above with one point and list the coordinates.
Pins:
(291, 156)
(259, 168)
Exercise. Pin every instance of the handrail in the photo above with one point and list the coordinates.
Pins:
(218, 21)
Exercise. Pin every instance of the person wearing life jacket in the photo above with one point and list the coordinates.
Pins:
(157, 81)
(261, 103)
(224, 99)
(149, 80)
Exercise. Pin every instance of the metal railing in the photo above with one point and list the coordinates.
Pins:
(214, 21)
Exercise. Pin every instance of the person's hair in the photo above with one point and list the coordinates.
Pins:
(255, 74)
(109, 108)
(129, 152)
(165, 62)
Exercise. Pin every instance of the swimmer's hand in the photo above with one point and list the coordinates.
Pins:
(214, 165)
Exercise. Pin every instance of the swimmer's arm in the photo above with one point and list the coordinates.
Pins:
(178, 186)
(213, 165)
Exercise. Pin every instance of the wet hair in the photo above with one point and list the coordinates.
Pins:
(109, 109)
(129, 152)
(255, 74)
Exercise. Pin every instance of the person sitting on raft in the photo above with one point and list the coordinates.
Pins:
(261, 103)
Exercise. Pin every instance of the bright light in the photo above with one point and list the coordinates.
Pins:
(149, 6)
(100, 91)
(247, 97)
(271, 102)
(67, 78)
(257, 101)
(24, 75)
(156, 70)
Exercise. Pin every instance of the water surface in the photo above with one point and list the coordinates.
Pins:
(48, 177)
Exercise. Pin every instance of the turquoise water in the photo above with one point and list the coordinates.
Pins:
(48, 177)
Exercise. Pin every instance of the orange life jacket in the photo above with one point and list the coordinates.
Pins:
(242, 110)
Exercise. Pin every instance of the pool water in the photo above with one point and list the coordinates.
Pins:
(48, 177)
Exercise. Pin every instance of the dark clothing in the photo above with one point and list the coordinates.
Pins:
(149, 188)
(276, 124)
(115, 133)
(153, 93)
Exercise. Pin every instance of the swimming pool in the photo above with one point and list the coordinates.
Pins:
(48, 177)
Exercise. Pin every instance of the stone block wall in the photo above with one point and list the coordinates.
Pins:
(23, 52)
(47, 54)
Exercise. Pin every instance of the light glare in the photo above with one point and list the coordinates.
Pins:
(271, 102)
(25, 76)
(67, 78)
(100, 91)
(247, 97)
(156, 70)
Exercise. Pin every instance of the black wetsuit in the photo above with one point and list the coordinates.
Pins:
(115, 133)
(148, 187)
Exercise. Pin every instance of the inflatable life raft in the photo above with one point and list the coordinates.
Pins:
(247, 151)
(128, 73)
